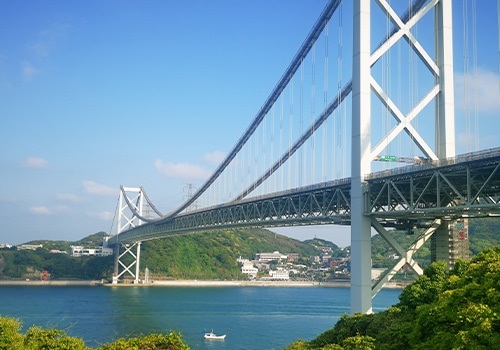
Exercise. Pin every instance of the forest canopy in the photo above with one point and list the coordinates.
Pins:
(457, 309)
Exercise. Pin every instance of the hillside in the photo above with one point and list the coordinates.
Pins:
(213, 255)
(210, 255)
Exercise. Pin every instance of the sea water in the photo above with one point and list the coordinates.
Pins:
(252, 317)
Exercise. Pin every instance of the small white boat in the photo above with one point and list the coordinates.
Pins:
(212, 336)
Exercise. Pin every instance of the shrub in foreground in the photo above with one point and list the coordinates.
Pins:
(457, 309)
(37, 338)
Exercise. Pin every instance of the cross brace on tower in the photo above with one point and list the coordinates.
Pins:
(364, 86)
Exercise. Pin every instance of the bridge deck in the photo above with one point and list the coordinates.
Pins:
(467, 185)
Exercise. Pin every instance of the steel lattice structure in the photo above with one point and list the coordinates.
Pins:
(464, 186)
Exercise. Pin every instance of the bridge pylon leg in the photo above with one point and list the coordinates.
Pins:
(138, 261)
(127, 260)
(361, 297)
(116, 253)
(130, 198)
(451, 242)
(406, 255)
(364, 85)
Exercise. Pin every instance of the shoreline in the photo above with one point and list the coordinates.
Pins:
(49, 283)
(193, 283)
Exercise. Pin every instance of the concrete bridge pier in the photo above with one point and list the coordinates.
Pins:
(450, 242)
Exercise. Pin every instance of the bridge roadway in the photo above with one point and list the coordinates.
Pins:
(411, 196)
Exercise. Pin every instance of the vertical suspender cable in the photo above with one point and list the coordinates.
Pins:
(301, 124)
(313, 98)
(412, 73)
(498, 23)
(271, 158)
(399, 86)
(339, 152)
(325, 103)
(264, 146)
(256, 155)
(474, 67)
(465, 16)
(417, 87)
(290, 134)
(248, 161)
(281, 142)
(384, 108)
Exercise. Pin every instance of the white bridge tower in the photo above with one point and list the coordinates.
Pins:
(131, 210)
(439, 64)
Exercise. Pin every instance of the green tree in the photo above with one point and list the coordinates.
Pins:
(37, 338)
(359, 342)
(426, 288)
(459, 309)
(9, 333)
(171, 341)
(466, 314)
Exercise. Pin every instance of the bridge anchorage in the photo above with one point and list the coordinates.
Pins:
(432, 199)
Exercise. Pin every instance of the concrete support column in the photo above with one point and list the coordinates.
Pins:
(445, 106)
(116, 254)
(451, 242)
(361, 296)
(137, 260)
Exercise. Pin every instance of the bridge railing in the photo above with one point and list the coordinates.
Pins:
(462, 158)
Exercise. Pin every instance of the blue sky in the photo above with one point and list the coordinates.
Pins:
(97, 94)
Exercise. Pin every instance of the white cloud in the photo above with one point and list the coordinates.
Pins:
(91, 187)
(35, 162)
(181, 170)
(40, 210)
(49, 38)
(103, 215)
(214, 158)
(483, 91)
(28, 71)
(67, 197)
(62, 209)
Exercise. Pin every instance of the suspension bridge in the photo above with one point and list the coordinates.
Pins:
(359, 131)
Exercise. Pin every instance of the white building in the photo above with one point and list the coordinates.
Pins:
(29, 246)
(250, 270)
(270, 256)
(280, 274)
(78, 251)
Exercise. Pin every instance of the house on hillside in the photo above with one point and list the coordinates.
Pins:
(249, 269)
(276, 255)
(280, 274)
(78, 251)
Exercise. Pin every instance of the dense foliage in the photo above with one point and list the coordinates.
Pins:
(459, 309)
(30, 264)
(37, 338)
(213, 255)
(210, 255)
(94, 240)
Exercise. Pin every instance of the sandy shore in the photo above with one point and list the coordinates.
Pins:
(190, 283)
(200, 283)
(48, 283)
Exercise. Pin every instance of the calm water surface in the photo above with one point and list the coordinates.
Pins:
(252, 317)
